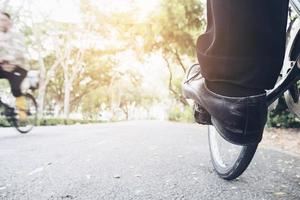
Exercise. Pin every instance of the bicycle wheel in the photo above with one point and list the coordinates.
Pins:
(229, 160)
(293, 100)
(27, 125)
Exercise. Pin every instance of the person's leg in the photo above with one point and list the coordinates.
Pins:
(2, 73)
(15, 79)
(242, 51)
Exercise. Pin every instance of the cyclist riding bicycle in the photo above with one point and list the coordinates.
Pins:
(240, 56)
(12, 61)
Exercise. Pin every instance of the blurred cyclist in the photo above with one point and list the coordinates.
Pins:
(12, 61)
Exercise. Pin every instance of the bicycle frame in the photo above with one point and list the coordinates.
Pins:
(296, 5)
(288, 81)
(291, 69)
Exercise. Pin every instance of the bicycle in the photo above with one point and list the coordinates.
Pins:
(10, 113)
(231, 160)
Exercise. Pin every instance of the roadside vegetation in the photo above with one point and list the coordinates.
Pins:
(114, 64)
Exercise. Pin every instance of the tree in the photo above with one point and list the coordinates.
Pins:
(79, 63)
(46, 58)
(173, 31)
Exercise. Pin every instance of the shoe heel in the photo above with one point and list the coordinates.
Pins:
(201, 115)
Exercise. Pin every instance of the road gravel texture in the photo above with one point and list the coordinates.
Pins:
(134, 160)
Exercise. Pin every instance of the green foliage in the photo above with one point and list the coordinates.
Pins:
(173, 31)
(4, 122)
(54, 122)
(181, 114)
(175, 27)
(281, 117)
(59, 121)
(101, 83)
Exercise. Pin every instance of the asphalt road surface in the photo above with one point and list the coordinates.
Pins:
(133, 160)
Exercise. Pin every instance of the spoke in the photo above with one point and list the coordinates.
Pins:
(224, 153)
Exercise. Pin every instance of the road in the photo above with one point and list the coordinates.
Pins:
(133, 160)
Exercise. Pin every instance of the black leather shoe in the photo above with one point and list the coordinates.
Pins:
(200, 113)
(239, 120)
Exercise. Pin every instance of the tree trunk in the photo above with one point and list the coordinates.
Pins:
(177, 95)
(42, 87)
(41, 98)
(67, 99)
(126, 112)
(179, 60)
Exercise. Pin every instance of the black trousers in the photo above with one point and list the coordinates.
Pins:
(15, 79)
(244, 43)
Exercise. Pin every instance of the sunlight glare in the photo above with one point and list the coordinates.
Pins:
(144, 7)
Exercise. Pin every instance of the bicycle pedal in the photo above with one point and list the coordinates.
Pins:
(201, 115)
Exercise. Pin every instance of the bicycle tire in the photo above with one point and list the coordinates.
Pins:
(16, 121)
(238, 167)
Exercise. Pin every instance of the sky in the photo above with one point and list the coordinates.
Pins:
(68, 10)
